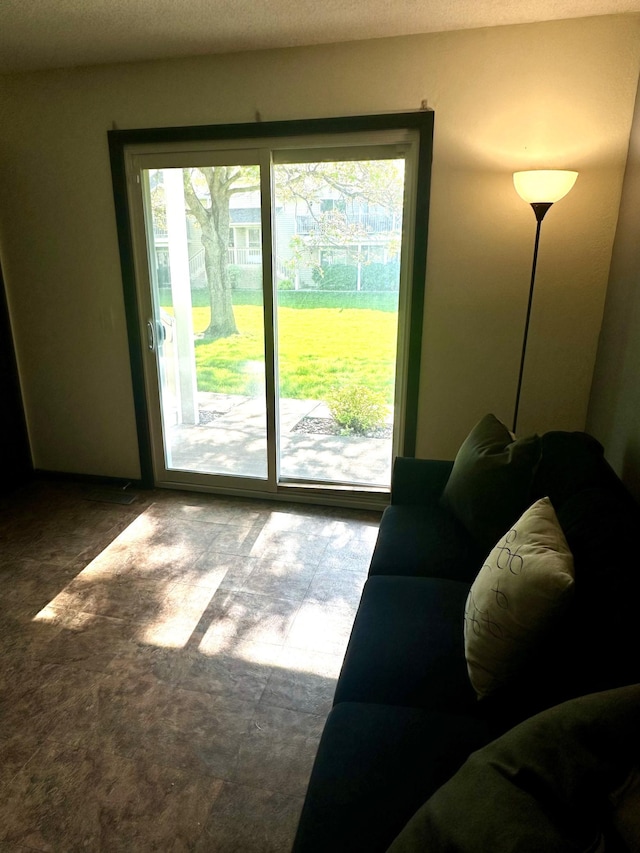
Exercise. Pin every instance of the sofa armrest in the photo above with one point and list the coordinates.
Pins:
(418, 481)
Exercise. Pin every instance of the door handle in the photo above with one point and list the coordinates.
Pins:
(156, 334)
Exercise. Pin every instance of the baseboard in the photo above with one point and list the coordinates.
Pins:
(89, 479)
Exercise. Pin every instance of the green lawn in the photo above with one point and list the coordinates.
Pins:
(320, 349)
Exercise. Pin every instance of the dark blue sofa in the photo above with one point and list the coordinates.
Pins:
(405, 716)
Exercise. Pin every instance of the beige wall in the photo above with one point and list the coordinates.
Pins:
(554, 95)
(614, 410)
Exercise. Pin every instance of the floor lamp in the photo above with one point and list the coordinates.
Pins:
(541, 188)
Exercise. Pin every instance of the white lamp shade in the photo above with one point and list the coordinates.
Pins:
(543, 185)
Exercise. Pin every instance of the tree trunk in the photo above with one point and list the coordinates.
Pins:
(215, 239)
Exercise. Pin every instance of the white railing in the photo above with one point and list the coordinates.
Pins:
(244, 257)
(160, 232)
(282, 271)
(372, 223)
(197, 270)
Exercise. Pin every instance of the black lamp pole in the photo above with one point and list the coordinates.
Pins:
(540, 208)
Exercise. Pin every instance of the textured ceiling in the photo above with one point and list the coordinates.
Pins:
(36, 34)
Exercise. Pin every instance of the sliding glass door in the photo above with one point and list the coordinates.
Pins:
(273, 286)
(337, 258)
(209, 353)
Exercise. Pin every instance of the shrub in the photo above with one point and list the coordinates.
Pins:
(245, 278)
(337, 277)
(234, 273)
(357, 408)
(377, 276)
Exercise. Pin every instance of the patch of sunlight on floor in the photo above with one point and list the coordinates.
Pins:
(264, 654)
(66, 619)
(172, 634)
(291, 660)
(121, 582)
(182, 608)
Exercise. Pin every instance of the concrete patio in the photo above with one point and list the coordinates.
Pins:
(234, 443)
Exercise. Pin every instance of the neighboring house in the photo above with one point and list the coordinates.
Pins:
(196, 255)
(363, 256)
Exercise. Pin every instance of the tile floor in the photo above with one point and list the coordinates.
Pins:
(166, 667)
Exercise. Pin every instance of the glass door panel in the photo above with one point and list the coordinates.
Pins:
(338, 236)
(207, 329)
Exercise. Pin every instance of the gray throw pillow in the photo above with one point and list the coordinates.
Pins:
(490, 483)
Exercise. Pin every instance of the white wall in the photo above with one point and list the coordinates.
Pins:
(614, 410)
(542, 95)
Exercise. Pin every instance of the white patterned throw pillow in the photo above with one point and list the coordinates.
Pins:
(522, 588)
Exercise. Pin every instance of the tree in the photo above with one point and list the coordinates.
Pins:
(332, 196)
(377, 182)
(208, 191)
(214, 220)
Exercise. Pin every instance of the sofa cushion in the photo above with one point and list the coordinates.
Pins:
(375, 766)
(601, 527)
(570, 462)
(407, 646)
(593, 646)
(425, 541)
(522, 588)
(490, 483)
(418, 481)
(552, 784)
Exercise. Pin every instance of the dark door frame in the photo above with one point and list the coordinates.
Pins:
(118, 140)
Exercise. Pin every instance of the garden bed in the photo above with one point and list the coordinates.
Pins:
(329, 426)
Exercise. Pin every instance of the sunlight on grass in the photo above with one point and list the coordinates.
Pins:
(320, 349)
